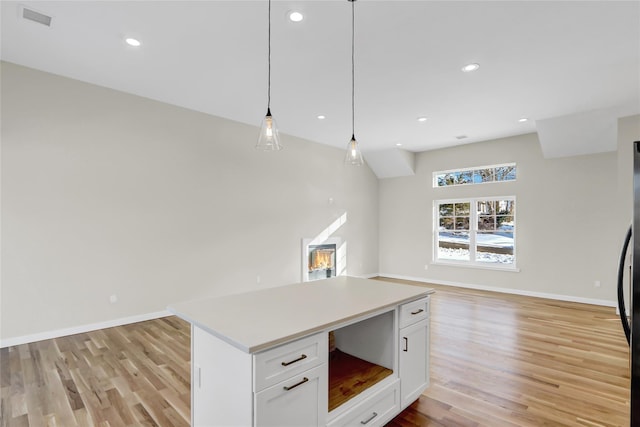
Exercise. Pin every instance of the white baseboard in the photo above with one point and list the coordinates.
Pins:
(81, 329)
(156, 315)
(626, 309)
(558, 297)
(368, 276)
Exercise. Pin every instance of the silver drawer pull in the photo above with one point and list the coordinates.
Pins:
(417, 312)
(304, 356)
(304, 380)
(370, 418)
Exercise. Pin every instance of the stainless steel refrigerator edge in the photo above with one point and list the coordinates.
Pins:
(635, 292)
(632, 327)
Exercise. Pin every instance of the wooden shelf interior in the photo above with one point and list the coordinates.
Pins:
(350, 376)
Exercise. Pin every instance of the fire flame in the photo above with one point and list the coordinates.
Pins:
(321, 259)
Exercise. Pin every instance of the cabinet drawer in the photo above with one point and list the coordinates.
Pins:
(414, 311)
(374, 411)
(278, 364)
(299, 401)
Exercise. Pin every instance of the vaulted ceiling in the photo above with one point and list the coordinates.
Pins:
(546, 61)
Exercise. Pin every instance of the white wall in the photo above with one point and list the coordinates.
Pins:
(628, 132)
(107, 193)
(572, 214)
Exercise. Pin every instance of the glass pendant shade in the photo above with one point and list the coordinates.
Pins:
(354, 156)
(269, 139)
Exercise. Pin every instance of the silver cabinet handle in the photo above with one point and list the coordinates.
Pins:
(417, 312)
(304, 380)
(370, 418)
(406, 344)
(304, 356)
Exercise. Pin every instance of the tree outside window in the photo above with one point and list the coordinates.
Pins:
(478, 231)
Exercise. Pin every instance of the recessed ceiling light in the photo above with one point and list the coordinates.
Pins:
(132, 42)
(295, 16)
(422, 119)
(398, 145)
(321, 117)
(470, 67)
(522, 120)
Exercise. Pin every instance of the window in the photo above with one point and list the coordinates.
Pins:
(479, 231)
(478, 175)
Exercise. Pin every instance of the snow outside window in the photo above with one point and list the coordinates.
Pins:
(479, 231)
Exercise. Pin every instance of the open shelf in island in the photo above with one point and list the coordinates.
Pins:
(350, 376)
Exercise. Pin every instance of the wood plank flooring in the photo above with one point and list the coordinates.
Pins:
(496, 360)
(507, 360)
(133, 375)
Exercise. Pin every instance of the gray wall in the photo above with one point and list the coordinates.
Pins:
(107, 193)
(572, 214)
(628, 131)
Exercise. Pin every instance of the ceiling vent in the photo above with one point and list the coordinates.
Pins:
(34, 16)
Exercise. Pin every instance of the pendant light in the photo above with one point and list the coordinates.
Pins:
(354, 156)
(269, 139)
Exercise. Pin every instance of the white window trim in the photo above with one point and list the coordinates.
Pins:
(473, 221)
(477, 265)
(434, 180)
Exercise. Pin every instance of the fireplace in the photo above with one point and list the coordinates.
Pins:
(322, 261)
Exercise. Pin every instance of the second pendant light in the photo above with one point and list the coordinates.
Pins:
(353, 156)
(269, 139)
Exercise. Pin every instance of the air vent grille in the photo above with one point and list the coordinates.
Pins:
(34, 16)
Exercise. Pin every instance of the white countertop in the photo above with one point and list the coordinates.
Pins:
(255, 321)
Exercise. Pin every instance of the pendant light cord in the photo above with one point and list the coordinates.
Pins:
(269, 61)
(353, 73)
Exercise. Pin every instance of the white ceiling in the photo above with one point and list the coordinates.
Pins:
(538, 59)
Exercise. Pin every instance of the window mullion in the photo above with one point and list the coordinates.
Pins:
(473, 219)
(497, 231)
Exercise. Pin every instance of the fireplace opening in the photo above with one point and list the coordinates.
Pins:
(322, 261)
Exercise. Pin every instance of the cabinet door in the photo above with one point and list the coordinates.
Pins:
(300, 401)
(414, 361)
(221, 392)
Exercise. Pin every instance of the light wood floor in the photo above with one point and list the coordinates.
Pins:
(134, 375)
(506, 360)
(496, 360)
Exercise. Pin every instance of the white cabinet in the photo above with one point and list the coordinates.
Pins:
(221, 382)
(298, 401)
(296, 376)
(281, 386)
(414, 361)
(282, 363)
(414, 351)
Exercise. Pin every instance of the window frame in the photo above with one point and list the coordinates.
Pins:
(471, 169)
(473, 232)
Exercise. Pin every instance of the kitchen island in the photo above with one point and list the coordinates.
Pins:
(335, 352)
